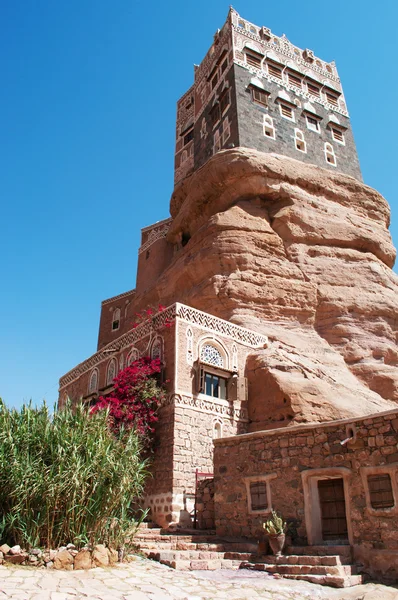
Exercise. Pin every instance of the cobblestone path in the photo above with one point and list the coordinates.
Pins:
(146, 580)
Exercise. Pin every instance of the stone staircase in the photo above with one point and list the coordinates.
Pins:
(190, 550)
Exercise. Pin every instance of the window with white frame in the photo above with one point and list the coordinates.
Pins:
(313, 123)
(216, 142)
(226, 131)
(330, 156)
(314, 89)
(258, 491)
(93, 382)
(259, 96)
(133, 355)
(203, 129)
(332, 97)
(188, 136)
(217, 430)
(214, 385)
(300, 141)
(111, 372)
(184, 156)
(268, 125)
(274, 69)
(253, 59)
(215, 114)
(225, 100)
(156, 350)
(116, 319)
(338, 135)
(286, 111)
(295, 80)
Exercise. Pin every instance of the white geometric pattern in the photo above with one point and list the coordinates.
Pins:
(210, 355)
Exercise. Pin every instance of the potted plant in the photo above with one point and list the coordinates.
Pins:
(276, 529)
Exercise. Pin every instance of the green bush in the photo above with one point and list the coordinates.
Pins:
(67, 478)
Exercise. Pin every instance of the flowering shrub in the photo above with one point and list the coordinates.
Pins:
(136, 397)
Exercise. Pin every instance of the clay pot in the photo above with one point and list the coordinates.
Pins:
(277, 542)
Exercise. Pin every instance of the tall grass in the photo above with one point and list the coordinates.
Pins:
(66, 478)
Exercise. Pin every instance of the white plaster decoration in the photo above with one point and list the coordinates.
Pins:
(216, 325)
(189, 337)
(111, 371)
(213, 406)
(156, 233)
(235, 358)
(93, 383)
(121, 363)
(217, 429)
(187, 314)
(210, 355)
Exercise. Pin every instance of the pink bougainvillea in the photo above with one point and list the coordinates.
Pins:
(135, 398)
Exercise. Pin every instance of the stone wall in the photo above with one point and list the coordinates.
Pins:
(291, 461)
(204, 504)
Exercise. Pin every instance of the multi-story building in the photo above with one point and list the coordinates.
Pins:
(256, 90)
(260, 248)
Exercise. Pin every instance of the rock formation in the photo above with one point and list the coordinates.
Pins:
(303, 255)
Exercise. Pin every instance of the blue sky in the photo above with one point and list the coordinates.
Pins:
(87, 111)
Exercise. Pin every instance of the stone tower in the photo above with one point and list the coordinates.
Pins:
(256, 90)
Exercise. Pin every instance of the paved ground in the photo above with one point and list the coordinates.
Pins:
(146, 580)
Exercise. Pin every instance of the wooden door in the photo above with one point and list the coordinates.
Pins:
(333, 513)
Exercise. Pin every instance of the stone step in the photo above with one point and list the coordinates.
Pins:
(330, 580)
(286, 569)
(339, 550)
(300, 559)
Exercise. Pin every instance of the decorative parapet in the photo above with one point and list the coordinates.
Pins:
(155, 232)
(118, 297)
(221, 408)
(190, 315)
(206, 321)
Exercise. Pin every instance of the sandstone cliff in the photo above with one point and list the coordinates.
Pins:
(303, 255)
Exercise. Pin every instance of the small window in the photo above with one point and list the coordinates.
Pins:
(188, 136)
(258, 495)
(216, 142)
(274, 70)
(241, 24)
(116, 319)
(156, 350)
(224, 65)
(300, 141)
(329, 154)
(215, 386)
(217, 430)
(215, 114)
(214, 80)
(259, 96)
(313, 124)
(133, 355)
(226, 131)
(211, 355)
(286, 111)
(294, 80)
(184, 156)
(338, 135)
(380, 491)
(332, 98)
(253, 59)
(269, 129)
(314, 89)
(224, 101)
(93, 383)
(111, 372)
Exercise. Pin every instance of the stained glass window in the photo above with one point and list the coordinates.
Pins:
(93, 385)
(210, 355)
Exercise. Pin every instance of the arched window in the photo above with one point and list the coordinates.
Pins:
(269, 129)
(116, 319)
(121, 362)
(217, 430)
(157, 349)
(93, 382)
(133, 355)
(210, 355)
(329, 154)
(300, 141)
(111, 371)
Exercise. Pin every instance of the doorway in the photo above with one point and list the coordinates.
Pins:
(333, 510)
